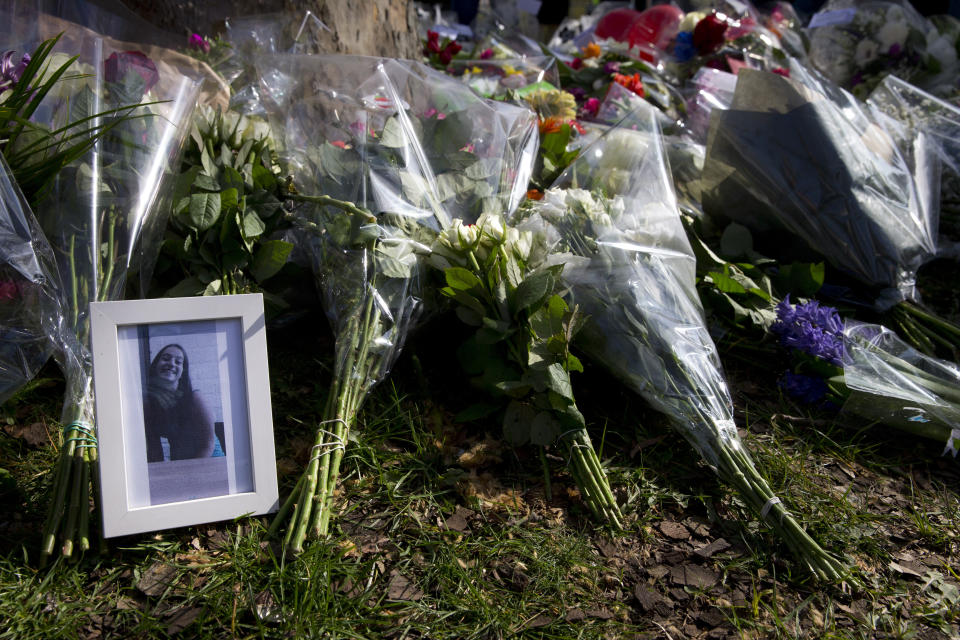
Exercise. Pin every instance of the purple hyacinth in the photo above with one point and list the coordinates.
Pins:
(11, 71)
(814, 329)
(807, 389)
(611, 67)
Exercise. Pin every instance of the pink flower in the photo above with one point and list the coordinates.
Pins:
(339, 143)
(199, 43)
(486, 54)
(591, 107)
(780, 71)
(576, 64)
(118, 65)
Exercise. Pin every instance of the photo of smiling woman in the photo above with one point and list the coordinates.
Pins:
(177, 423)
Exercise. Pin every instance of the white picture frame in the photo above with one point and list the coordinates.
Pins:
(164, 370)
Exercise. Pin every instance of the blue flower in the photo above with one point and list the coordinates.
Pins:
(683, 48)
(808, 389)
(813, 329)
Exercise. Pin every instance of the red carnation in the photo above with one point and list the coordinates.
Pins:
(118, 65)
(708, 34)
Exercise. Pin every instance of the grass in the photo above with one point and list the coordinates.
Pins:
(443, 532)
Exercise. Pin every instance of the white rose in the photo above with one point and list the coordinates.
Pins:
(492, 226)
(867, 51)
(691, 19)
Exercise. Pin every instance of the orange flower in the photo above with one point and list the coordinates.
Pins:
(633, 83)
(535, 194)
(592, 50)
(550, 125)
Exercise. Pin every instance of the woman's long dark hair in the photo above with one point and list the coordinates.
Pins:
(183, 385)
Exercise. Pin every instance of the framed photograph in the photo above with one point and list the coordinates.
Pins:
(184, 424)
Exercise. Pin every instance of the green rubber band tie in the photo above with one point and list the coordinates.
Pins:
(87, 436)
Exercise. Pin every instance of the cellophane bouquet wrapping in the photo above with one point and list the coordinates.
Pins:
(496, 78)
(383, 154)
(30, 311)
(893, 383)
(856, 44)
(630, 268)
(924, 114)
(103, 216)
(802, 157)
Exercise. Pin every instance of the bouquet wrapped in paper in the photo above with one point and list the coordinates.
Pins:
(630, 268)
(383, 154)
(103, 215)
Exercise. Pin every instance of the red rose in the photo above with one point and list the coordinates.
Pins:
(708, 34)
(118, 65)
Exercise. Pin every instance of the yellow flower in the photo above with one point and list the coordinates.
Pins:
(553, 104)
(592, 50)
(510, 70)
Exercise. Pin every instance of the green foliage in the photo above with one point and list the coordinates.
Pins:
(36, 153)
(226, 208)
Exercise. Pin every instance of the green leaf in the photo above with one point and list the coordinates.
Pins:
(544, 429)
(513, 388)
(801, 278)
(184, 184)
(533, 290)
(188, 287)
(558, 380)
(269, 259)
(573, 363)
(228, 199)
(516, 423)
(725, 283)
(469, 316)
(204, 210)
(209, 166)
(461, 279)
(232, 179)
(253, 226)
(205, 182)
(213, 289)
(263, 178)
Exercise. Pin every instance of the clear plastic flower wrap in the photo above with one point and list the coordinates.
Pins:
(30, 311)
(856, 43)
(938, 119)
(496, 78)
(893, 383)
(800, 156)
(383, 155)
(104, 216)
(632, 272)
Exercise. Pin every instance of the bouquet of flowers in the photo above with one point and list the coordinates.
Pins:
(629, 267)
(502, 283)
(384, 154)
(29, 290)
(102, 215)
(857, 44)
(868, 371)
(923, 114)
(854, 185)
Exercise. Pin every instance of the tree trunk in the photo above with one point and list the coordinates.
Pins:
(365, 27)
